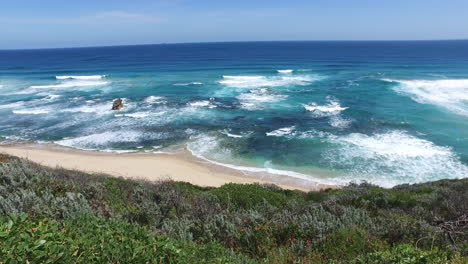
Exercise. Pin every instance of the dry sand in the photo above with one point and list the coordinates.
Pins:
(152, 167)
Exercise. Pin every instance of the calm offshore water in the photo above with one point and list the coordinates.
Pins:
(333, 112)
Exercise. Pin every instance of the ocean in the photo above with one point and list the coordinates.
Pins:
(330, 112)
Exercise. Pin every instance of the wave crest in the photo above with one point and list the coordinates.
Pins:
(451, 94)
(263, 81)
(83, 77)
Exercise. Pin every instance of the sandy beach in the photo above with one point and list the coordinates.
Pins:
(149, 166)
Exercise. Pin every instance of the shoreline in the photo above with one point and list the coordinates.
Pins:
(182, 166)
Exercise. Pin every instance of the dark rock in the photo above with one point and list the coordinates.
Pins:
(118, 104)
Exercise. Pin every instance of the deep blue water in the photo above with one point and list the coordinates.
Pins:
(384, 112)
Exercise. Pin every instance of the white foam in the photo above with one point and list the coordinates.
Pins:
(187, 84)
(255, 99)
(37, 111)
(332, 108)
(285, 71)
(205, 145)
(339, 122)
(141, 114)
(155, 100)
(52, 97)
(285, 131)
(263, 81)
(451, 94)
(203, 103)
(12, 105)
(84, 77)
(104, 108)
(225, 132)
(100, 140)
(70, 84)
(393, 158)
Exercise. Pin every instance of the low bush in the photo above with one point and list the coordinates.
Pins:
(238, 223)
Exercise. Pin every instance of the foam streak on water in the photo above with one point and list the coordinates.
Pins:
(448, 94)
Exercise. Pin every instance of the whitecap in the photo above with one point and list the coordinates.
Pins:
(255, 99)
(225, 132)
(285, 71)
(203, 103)
(84, 77)
(393, 158)
(12, 105)
(263, 81)
(37, 111)
(52, 97)
(451, 94)
(70, 84)
(155, 100)
(104, 139)
(285, 131)
(332, 108)
(187, 84)
(141, 114)
(104, 108)
(338, 121)
(138, 114)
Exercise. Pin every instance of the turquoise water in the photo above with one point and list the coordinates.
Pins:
(331, 112)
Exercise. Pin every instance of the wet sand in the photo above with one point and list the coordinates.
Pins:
(180, 166)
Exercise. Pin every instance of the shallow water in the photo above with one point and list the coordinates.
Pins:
(332, 112)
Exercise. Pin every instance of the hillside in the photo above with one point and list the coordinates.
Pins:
(63, 216)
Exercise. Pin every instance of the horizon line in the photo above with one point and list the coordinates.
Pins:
(234, 41)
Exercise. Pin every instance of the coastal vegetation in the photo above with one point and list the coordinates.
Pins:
(64, 216)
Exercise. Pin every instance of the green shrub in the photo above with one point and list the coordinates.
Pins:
(97, 240)
(234, 222)
(407, 254)
(347, 244)
(248, 195)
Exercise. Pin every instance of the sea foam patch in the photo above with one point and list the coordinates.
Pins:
(264, 81)
(256, 98)
(211, 149)
(188, 84)
(155, 100)
(451, 94)
(80, 77)
(202, 103)
(285, 131)
(108, 139)
(70, 84)
(393, 158)
(332, 108)
(31, 111)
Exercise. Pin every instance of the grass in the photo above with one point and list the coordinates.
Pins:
(63, 216)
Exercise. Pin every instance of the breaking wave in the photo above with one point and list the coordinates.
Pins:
(263, 81)
(255, 99)
(89, 77)
(69, 84)
(393, 158)
(187, 84)
(107, 139)
(285, 131)
(451, 94)
(332, 108)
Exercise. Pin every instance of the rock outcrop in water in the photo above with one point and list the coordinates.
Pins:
(118, 104)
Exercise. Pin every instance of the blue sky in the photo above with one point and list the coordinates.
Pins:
(54, 23)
